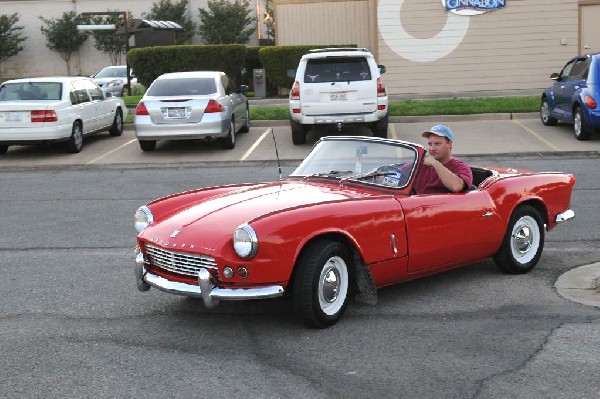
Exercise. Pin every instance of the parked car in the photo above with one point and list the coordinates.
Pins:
(342, 224)
(192, 106)
(574, 97)
(113, 79)
(53, 109)
(337, 87)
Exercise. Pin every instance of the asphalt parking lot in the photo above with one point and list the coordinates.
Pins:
(477, 135)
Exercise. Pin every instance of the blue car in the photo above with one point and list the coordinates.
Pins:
(574, 97)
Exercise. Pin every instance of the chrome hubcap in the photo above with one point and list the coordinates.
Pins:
(330, 285)
(333, 285)
(577, 124)
(525, 239)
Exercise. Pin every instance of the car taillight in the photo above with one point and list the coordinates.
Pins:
(213, 106)
(590, 102)
(141, 109)
(295, 92)
(44, 116)
(380, 88)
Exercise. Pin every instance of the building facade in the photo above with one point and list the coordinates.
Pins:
(429, 48)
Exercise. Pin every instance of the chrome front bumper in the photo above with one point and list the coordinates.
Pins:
(210, 294)
(565, 216)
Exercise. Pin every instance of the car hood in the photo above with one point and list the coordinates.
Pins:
(210, 222)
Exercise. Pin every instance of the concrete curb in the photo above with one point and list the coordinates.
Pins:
(581, 285)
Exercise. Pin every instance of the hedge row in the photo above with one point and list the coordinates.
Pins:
(151, 62)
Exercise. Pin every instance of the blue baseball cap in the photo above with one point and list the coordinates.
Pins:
(440, 130)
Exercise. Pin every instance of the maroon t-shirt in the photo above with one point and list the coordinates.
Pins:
(428, 181)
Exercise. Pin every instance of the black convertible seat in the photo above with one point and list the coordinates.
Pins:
(479, 175)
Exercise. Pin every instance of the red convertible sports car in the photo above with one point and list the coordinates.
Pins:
(344, 223)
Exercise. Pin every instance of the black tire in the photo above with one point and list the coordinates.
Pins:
(321, 283)
(298, 132)
(147, 145)
(117, 127)
(545, 116)
(580, 128)
(75, 142)
(3, 149)
(380, 128)
(229, 140)
(523, 241)
(246, 126)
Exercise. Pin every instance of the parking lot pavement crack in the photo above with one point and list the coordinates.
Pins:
(479, 385)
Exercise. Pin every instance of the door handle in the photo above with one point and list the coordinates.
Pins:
(487, 214)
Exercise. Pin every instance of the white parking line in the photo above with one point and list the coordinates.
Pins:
(537, 136)
(110, 152)
(256, 143)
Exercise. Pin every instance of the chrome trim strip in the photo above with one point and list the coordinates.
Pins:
(565, 216)
(216, 293)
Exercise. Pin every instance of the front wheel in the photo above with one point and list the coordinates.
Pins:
(229, 140)
(523, 242)
(321, 283)
(117, 127)
(580, 128)
(75, 142)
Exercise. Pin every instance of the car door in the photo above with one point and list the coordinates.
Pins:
(572, 78)
(233, 101)
(450, 229)
(103, 108)
(82, 102)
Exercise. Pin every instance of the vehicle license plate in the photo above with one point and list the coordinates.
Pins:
(339, 97)
(176, 112)
(12, 116)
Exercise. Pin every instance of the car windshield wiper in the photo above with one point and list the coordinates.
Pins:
(373, 173)
(331, 173)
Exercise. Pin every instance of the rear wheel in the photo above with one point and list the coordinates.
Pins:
(580, 128)
(75, 142)
(298, 132)
(545, 116)
(147, 145)
(117, 127)
(523, 242)
(380, 128)
(321, 283)
(229, 140)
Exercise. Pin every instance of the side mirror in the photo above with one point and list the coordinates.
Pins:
(381, 69)
(555, 76)
(291, 73)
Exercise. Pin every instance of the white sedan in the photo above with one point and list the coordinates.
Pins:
(191, 106)
(55, 109)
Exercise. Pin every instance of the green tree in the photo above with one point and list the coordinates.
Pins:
(10, 37)
(111, 42)
(176, 11)
(226, 22)
(62, 35)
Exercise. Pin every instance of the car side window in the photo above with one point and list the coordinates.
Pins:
(78, 93)
(579, 70)
(564, 74)
(94, 90)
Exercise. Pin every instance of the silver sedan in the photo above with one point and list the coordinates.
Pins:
(191, 106)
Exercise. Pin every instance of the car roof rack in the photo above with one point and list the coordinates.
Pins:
(328, 49)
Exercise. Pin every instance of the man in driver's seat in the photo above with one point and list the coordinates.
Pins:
(440, 172)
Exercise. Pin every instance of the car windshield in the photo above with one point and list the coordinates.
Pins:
(31, 91)
(382, 162)
(112, 73)
(182, 87)
(337, 69)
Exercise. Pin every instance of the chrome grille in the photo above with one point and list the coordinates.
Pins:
(179, 262)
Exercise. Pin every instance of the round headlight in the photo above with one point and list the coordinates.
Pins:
(142, 218)
(245, 241)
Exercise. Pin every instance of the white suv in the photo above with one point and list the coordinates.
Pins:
(338, 86)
